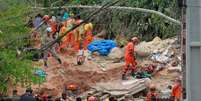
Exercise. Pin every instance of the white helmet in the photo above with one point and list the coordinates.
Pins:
(49, 29)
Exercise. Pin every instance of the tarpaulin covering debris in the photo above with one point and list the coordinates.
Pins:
(103, 47)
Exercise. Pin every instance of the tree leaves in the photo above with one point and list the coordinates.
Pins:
(12, 69)
(142, 24)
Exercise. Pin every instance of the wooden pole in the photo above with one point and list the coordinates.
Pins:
(183, 43)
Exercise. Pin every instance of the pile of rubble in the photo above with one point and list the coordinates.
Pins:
(163, 52)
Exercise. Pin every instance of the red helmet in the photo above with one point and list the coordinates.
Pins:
(91, 98)
(46, 17)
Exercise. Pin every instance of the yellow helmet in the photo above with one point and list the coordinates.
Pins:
(88, 26)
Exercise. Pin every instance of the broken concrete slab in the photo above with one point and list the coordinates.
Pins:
(118, 87)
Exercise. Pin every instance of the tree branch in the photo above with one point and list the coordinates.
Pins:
(119, 8)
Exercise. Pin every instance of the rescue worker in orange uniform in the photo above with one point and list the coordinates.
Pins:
(177, 90)
(130, 58)
(68, 39)
(70, 36)
(51, 23)
(77, 33)
(152, 95)
(61, 32)
(88, 35)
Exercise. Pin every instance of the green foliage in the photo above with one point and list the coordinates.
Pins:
(14, 70)
(132, 23)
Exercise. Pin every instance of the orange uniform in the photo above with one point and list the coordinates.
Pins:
(76, 42)
(88, 39)
(177, 91)
(129, 57)
(62, 31)
(88, 36)
(68, 39)
(77, 35)
(53, 26)
(70, 36)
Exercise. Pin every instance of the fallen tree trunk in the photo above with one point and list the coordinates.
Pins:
(119, 8)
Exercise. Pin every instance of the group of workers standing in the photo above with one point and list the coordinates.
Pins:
(56, 26)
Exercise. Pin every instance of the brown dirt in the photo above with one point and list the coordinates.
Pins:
(84, 76)
(87, 75)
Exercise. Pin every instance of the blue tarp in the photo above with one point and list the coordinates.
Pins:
(103, 47)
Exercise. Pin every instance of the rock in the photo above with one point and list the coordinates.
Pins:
(116, 53)
(147, 82)
(147, 48)
(143, 49)
(156, 41)
(175, 69)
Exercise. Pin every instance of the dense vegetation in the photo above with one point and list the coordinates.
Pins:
(13, 69)
(14, 15)
(129, 23)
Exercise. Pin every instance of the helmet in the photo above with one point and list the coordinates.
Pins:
(135, 39)
(49, 29)
(72, 87)
(152, 87)
(53, 18)
(88, 26)
(91, 98)
(46, 17)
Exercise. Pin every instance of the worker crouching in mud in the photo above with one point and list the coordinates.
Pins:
(50, 50)
(130, 58)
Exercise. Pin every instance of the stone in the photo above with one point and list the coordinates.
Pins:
(116, 53)
(175, 69)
